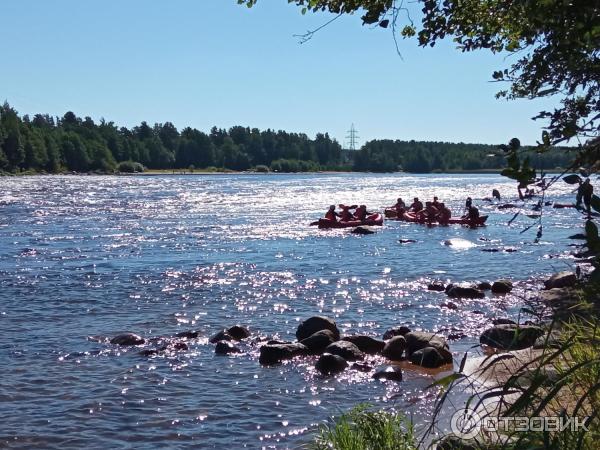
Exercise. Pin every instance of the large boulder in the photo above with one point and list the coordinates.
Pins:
(416, 340)
(510, 337)
(484, 286)
(394, 348)
(561, 280)
(396, 331)
(366, 344)
(317, 342)
(226, 348)
(431, 357)
(346, 350)
(388, 373)
(329, 364)
(465, 292)
(275, 353)
(502, 287)
(126, 339)
(316, 323)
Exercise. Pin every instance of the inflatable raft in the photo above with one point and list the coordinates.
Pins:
(374, 219)
(408, 217)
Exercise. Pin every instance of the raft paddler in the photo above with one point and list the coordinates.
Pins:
(361, 213)
(416, 206)
(331, 215)
(346, 215)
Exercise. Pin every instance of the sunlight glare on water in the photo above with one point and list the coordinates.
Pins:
(83, 258)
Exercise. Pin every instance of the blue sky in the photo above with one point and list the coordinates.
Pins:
(201, 63)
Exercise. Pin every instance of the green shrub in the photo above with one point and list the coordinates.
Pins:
(261, 168)
(130, 167)
(364, 429)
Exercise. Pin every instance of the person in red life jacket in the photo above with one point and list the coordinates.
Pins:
(400, 206)
(331, 215)
(416, 205)
(436, 203)
(362, 213)
(346, 215)
(444, 214)
(429, 214)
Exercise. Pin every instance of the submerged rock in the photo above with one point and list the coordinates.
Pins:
(226, 348)
(366, 344)
(126, 339)
(561, 280)
(188, 334)
(407, 241)
(361, 367)
(329, 364)
(394, 348)
(346, 350)
(275, 353)
(317, 342)
(316, 323)
(362, 230)
(396, 331)
(510, 337)
(464, 292)
(392, 373)
(431, 357)
(502, 287)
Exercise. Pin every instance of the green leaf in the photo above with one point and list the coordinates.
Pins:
(572, 179)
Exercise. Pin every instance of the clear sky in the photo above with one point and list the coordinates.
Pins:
(201, 63)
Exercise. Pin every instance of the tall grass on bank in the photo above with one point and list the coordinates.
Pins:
(560, 380)
(364, 429)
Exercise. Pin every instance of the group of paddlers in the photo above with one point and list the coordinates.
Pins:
(346, 215)
(434, 211)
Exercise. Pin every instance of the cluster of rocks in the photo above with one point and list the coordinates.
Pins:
(472, 291)
(320, 336)
(161, 345)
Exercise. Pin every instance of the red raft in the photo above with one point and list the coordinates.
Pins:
(408, 217)
(374, 219)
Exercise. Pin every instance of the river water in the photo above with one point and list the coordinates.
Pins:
(83, 258)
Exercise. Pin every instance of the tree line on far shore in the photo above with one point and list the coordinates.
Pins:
(44, 143)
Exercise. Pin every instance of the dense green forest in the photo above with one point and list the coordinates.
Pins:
(52, 144)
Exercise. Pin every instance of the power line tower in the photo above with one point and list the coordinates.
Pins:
(352, 138)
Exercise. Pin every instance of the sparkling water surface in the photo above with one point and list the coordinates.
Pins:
(83, 258)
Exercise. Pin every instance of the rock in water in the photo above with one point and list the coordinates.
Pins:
(464, 292)
(317, 342)
(417, 340)
(188, 334)
(394, 348)
(127, 339)
(273, 354)
(222, 335)
(346, 350)
(362, 230)
(330, 364)
(430, 357)
(510, 337)
(396, 331)
(436, 286)
(238, 332)
(226, 348)
(502, 287)
(316, 323)
(388, 373)
(366, 344)
(561, 280)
